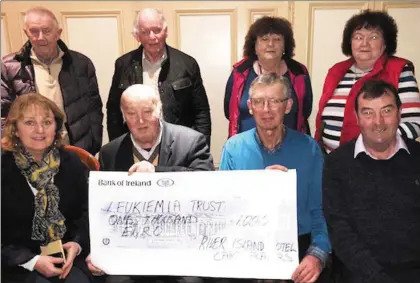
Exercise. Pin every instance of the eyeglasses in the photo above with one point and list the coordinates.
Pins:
(272, 103)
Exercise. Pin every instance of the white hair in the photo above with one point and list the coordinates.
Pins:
(40, 11)
(143, 92)
(270, 79)
(136, 24)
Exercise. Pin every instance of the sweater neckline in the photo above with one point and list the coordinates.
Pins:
(277, 147)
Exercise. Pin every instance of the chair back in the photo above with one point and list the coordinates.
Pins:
(88, 159)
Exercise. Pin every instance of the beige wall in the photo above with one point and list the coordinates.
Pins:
(213, 33)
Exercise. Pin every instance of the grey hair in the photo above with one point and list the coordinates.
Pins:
(270, 79)
(42, 12)
(142, 91)
(136, 23)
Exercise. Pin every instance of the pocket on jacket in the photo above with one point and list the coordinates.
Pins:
(181, 84)
(182, 91)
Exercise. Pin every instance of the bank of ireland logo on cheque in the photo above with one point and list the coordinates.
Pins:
(165, 182)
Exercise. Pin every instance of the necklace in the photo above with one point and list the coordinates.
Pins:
(359, 73)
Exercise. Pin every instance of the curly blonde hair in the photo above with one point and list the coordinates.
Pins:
(9, 140)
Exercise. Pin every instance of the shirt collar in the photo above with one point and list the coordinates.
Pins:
(158, 62)
(144, 152)
(360, 147)
(33, 55)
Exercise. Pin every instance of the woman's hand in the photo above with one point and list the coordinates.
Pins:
(95, 271)
(72, 249)
(46, 265)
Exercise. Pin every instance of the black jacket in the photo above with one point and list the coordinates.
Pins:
(17, 210)
(79, 87)
(181, 149)
(181, 89)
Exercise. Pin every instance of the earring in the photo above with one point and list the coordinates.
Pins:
(16, 141)
(250, 111)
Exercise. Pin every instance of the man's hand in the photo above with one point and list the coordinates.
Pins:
(72, 249)
(276, 167)
(142, 166)
(45, 265)
(308, 270)
(95, 271)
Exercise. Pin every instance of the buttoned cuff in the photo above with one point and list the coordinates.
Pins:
(318, 253)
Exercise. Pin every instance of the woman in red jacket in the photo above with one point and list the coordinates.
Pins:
(269, 48)
(370, 39)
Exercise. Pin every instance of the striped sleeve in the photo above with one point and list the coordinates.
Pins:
(408, 91)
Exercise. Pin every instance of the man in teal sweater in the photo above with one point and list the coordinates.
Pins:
(271, 145)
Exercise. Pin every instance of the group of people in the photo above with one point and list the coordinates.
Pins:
(358, 181)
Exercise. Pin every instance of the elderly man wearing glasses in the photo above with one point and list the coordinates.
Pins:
(271, 145)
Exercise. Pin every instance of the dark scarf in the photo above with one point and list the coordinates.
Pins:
(48, 222)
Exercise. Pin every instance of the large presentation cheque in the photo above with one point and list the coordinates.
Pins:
(215, 224)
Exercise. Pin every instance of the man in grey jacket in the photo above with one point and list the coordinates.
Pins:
(152, 145)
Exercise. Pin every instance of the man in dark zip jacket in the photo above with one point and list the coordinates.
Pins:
(45, 65)
(174, 75)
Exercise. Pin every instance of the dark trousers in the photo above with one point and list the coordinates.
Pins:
(75, 276)
(141, 279)
(402, 274)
